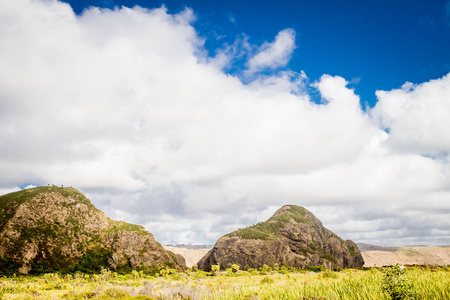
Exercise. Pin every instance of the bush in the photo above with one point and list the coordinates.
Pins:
(252, 271)
(329, 274)
(215, 269)
(396, 284)
(265, 269)
(283, 270)
(234, 268)
(116, 292)
(267, 280)
(315, 269)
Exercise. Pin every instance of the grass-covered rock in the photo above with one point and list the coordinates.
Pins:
(51, 228)
(293, 237)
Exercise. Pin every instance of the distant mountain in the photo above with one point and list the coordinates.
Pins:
(191, 247)
(293, 236)
(363, 247)
(54, 228)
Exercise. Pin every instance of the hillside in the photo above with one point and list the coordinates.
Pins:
(54, 228)
(293, 236)
(409, 255)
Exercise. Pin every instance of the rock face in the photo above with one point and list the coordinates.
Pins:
(53, 228)
(293, 237)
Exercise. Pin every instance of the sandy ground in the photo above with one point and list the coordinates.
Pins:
(192, 256)
(420, 255)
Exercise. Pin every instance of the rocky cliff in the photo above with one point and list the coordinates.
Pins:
(53, 228)
(293, 236)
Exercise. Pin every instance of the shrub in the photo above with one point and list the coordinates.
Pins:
(252, 271)
(234, 268)
(215, 269)
(116, 292)
(265, 269)
(315, 269)
(329, 274)
(396, 284)
(267, 280)
(283, 270)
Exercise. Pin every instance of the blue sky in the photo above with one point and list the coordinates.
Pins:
(197, 118)
(378, 44)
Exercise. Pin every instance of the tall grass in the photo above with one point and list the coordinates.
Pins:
(347, 284)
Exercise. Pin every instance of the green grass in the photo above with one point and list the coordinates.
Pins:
(117, 226)
(326, 284)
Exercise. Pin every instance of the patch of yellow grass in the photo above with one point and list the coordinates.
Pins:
(347, 284)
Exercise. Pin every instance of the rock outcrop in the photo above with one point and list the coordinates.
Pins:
(293, 237)
(54, 228)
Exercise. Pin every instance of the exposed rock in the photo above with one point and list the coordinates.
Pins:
(293, 237)
(52, 228)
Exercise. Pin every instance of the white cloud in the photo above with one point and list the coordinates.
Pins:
(123, 105)
(7, 190)
(418, 116)
(273, 55)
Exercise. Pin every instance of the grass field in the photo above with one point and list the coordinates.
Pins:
(425, 283)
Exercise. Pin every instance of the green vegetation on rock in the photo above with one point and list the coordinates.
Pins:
(117, 226)
(270, 228)
(50, 228)
(293, 236)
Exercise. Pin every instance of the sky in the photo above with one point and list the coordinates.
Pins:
(196, 118)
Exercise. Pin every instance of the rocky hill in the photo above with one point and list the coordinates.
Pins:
(293, 236)
(54, 228)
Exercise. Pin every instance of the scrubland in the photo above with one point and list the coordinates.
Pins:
(280, 283)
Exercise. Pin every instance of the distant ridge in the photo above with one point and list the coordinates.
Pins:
(368, 247)
(192, 247)
(377, 256)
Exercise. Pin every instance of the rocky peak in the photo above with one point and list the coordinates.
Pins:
(56, 228)
(293, 236)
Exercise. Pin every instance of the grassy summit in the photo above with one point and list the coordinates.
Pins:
(270, 228)
(10, 202)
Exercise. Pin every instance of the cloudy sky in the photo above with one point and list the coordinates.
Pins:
(195, 119)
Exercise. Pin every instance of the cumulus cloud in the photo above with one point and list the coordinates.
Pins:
(273, 55)
(417, 116)
(126, 106)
